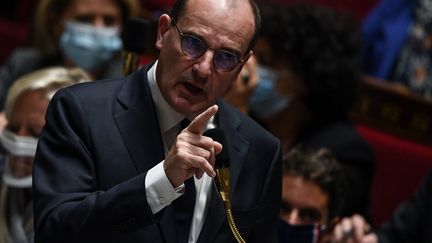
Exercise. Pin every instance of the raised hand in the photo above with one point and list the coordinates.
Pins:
(353, 230)
(192, 153)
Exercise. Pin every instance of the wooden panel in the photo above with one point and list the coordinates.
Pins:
(394, 110)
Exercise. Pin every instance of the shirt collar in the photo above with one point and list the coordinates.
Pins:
(167, 116)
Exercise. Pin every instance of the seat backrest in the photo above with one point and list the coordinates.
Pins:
(400, 166)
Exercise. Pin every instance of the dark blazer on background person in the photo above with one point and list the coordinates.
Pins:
(99, 141)
(355, 155)
(412, 220)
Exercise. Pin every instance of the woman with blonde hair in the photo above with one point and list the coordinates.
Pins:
(26, 104)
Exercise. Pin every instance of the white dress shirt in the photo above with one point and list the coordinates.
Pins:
(160, 193)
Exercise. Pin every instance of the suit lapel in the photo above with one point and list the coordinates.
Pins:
(229, 121)
(137, 121)
(238, 147)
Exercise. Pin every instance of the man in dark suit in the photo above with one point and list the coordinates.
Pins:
(112, 163)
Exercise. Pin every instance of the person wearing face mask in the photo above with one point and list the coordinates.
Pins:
(315, 52)
(266, 100)
(311, 195)
(25, 109)
(240, 92)
(116, 161)
(72, 33)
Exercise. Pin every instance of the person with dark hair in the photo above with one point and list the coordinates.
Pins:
(314, 51)
(127, 160)
(72, 33)
(311, 194)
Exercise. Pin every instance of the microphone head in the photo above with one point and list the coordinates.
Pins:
(223, 158)
(135, 33)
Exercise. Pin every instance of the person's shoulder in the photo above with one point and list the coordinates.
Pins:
(94, 88)
(343, 130)
(107, 91)
(249, 128)
(26, 52)
(24, 59)
(340, 137)
(106, 85)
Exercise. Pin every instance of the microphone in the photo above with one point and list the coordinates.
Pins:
(134, 39)
(222, 180)
(222, 164)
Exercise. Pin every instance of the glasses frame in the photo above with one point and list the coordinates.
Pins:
(182, 38)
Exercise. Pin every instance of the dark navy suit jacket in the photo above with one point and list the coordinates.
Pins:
(412, 220)
(99, 141)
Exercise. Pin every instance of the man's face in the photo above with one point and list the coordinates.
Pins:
(303, 202)
(190, 85)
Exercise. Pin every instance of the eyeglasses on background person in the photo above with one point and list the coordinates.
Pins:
(194, 47)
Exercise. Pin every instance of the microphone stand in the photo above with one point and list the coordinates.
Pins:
(130, 62)
(134, 39)
(222, 180)
(223, 184)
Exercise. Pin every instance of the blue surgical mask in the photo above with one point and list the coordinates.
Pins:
(297, 233)
(266, 100)
(89, 47)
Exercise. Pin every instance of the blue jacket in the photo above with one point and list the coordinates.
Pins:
(384, 32)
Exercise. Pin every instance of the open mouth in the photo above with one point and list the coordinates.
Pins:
(194, 90)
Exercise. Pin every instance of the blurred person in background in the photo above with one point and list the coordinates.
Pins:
(311, 195)
(26, 104)
(314, 55)
(265, 100)
(241, 90)
(411, 222)
(397, 40)
(72, 33)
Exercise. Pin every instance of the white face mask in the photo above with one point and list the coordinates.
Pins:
(17, 146)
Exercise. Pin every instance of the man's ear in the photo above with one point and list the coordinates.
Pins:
(247, 56)
(164, 24)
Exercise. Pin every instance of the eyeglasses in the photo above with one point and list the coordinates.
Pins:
(195, 47)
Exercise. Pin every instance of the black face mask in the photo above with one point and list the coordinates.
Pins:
(297, 233)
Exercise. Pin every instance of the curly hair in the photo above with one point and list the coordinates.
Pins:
(320, 167)
(322, 47)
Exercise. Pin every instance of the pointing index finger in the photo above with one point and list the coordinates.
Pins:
(198, 125)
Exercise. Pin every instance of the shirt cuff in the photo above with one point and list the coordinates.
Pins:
(159, 191)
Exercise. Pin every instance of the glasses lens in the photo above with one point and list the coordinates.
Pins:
(192, 46)
(225, 61)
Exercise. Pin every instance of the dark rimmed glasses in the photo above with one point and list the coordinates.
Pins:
(194, 47)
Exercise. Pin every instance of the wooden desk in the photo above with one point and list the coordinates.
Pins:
(394, 110)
